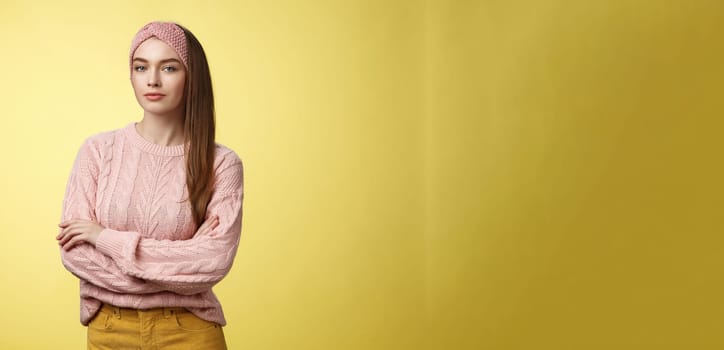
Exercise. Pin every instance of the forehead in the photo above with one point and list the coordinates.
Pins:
(155, 49)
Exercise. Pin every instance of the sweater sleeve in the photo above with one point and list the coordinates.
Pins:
(189, 266)
(83, 260)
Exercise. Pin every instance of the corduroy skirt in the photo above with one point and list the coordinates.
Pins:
(159, 328)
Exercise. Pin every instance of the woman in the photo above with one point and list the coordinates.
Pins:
(152, 211)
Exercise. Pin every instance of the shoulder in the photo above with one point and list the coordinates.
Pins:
(229, 169)
(103, 138)
(225, 157)
(98, 143)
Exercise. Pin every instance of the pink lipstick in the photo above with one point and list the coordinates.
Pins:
(154, 97)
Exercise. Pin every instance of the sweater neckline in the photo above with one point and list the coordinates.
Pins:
(150, 147)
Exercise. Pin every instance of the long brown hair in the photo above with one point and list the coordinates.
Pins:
(199, 128)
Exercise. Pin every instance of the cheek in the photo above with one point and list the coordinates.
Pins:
(135, 85)
(179, 86)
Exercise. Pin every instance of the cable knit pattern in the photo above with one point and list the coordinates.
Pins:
(148, 255)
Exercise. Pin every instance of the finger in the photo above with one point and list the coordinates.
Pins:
(68, 222)
(202, 228)
(68, 236)
(78, 239)
(65, 239)
(212, 224)
(69, 225)
(65, 230)
(70, 243)
(62, 235)
(77, 226)
(211, 227)
(208, 222)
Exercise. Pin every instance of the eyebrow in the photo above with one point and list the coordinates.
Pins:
(162, 61)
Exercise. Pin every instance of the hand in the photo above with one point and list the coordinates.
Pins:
(78, 231)
(208, 225)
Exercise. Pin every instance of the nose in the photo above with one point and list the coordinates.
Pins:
(153, 79)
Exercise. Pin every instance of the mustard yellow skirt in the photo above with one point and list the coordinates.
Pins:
(159, 328)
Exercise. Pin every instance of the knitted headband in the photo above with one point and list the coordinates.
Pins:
(168, 32)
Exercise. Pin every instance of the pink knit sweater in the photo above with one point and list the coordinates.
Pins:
(148, 254)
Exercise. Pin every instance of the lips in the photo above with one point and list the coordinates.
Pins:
(154, 96)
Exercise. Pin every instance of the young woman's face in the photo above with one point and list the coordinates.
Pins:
(157, 69)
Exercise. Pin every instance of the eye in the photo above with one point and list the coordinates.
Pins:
(136, 68)
(172, 69)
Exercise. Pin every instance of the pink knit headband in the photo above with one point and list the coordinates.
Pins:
(168, 32)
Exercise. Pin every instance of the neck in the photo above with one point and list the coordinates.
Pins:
(161, 130)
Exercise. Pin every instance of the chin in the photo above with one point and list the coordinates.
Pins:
(156, 107)
(158, 111)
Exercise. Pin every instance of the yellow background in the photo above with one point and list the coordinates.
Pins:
(418, 174)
